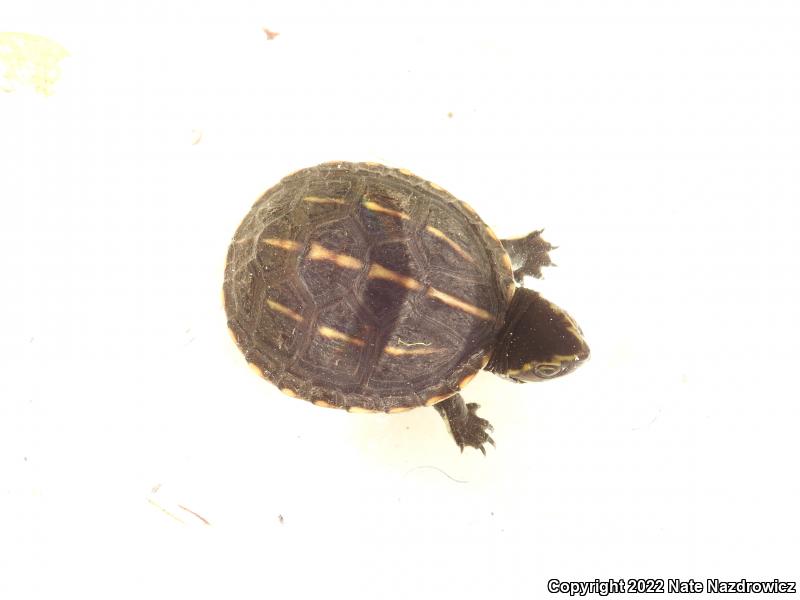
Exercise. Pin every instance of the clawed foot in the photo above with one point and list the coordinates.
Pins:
(528, 255)
(467, 428)
(475, 430)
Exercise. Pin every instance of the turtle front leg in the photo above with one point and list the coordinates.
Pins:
(467, 428)
(528, 255)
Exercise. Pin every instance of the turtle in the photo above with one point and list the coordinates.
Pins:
(366, 288)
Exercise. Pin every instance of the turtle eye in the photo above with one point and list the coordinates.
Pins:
(546, 370)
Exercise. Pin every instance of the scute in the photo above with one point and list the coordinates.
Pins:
(382, 300)
(281, 322)
(382, 216)
(412, 349)
(337, 347)
(323, 277)
(467, 319)
(360, 286)
(461, 251)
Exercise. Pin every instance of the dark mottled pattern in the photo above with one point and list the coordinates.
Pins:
(292, 354)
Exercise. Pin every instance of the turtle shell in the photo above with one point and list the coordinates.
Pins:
(358, 286)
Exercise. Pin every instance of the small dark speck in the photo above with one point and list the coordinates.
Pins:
(30, 341)
(449, 115)
(491, 513)
(25, 458)
(271, 35)
(280, 519)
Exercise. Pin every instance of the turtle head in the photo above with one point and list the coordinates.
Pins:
(539, 341)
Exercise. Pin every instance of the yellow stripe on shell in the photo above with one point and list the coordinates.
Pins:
(346, 261)
(289, 392)
(377, 271)
(375, 207)
(284, 310)
(290, 245)
(395, 351)
(399, 409)
(359, 409)
(323, 200)
(442, 236)
(460, 304)
(333, 334)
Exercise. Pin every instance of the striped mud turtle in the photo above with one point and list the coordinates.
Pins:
(358, 286)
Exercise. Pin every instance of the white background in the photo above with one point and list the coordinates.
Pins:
(658, 143)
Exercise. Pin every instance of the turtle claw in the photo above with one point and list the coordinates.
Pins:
(529, 254)
(467, 428)
(474, 430)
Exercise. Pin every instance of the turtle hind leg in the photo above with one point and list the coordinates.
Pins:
(467, 428)
(528, 255)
